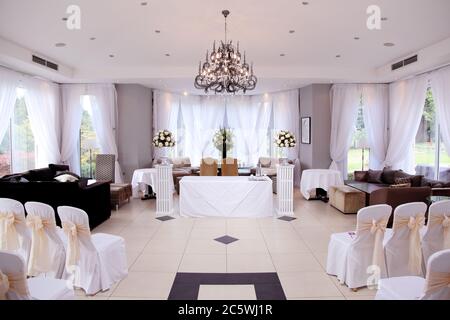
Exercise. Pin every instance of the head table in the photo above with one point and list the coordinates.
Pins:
(234, 197)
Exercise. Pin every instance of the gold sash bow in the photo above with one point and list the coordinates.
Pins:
(436, 281)
(39, 254)
(445, 222)
(9, 239)
(377, 228)
(415, 249)
(72, 231)
(13, 282)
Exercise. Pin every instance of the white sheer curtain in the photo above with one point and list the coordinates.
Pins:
(9, 81)
(286, 116)
(42, 99)
(345, 102)
(376, 108)
(72, 112)
(103, 102)
(165, 115)
(406, 103)
(440, 85)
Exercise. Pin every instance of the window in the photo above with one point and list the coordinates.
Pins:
(359, 153)
(88, 140)
(431, 157)
(18, 151)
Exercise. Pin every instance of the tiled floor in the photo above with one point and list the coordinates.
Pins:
(296, 250)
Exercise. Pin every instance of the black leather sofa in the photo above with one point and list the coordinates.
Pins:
(39, 185)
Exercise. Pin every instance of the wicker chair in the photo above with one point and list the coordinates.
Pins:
(230, 167)
(208, 167)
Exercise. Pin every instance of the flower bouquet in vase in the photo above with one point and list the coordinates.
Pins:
(223, 141)
(284, 140)
(164, 139)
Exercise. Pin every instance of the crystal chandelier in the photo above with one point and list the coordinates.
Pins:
(223, 71)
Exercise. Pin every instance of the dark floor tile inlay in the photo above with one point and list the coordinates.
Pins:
(286, 218)
(165, 218)
(267, 285)
(226, 239)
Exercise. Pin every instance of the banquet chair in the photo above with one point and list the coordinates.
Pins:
(14, 284)
(353, 255)
(96, 261)
(47, 255)
(403, 248)
(230, 167)
(14, 234)
(436, 285)
(208, 167)
(437, 234)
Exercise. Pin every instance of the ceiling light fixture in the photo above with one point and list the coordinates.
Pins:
(291, 31)
(282, 55)
(167, 54)
(384, 19)
(356, 38)
(111, 56)
(224, 71)
(60, 44)
(144, 3)
(65, 19)
(338, 56)
(389, 44)
(92, 38)
(305, 3)
(157, 31)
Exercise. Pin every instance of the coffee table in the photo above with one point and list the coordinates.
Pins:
(367, 188)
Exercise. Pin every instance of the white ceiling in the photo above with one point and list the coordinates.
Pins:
(323, 29)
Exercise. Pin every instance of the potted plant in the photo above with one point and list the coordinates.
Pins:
(284, 140)
(164, 139)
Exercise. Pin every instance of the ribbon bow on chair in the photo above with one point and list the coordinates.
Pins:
(9, 239)
(39, 254)
(13, 282)
(436, 281)
(443, 220)
(376, 228)
(414, 224)
(72, 231)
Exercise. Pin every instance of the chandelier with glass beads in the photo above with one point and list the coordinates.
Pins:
(225, 71)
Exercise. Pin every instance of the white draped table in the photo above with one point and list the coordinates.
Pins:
(225, 197)
(319, 178)
(143, 178)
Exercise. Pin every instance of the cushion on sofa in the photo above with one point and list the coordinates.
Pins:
(44, 174)
(67, 177)
(388, 176)
(374, 176)
(361, 176)
(58, 168)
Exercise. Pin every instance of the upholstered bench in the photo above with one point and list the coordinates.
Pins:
(346, 199)
(120, 193)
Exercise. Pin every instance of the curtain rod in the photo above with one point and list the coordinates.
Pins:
(425, 72)
(24, 74)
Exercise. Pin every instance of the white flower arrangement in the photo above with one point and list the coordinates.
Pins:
(163, 139)
(222, 136)
(285, 139)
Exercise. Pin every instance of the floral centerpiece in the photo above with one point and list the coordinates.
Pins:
(164, 139)
(283, 140)
(223, 141)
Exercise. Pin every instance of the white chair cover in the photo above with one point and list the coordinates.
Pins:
(436, 286)
(47, 254)
(99, 260)
(403, 248)
(437, 235)
(15, 286)
(350, 256)
(14, 234)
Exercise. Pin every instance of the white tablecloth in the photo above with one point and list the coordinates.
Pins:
(319, 178)
(143, 178)
(225, 197)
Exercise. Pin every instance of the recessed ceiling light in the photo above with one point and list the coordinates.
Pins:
(60, 44)
(111, 56)
(157, 31)
(144, 3)
(92, 38)
(167, 54)
(65, 19)
(291, 31)
(389, 44)
(338, 56)
(282, 54)
(356, 38)
(305, 3)
(384, 19)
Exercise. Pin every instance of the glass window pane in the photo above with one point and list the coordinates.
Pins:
(5, 154)
(23, 148)
(359, 153)
(89, 147)
(444, 164)
(425, 146)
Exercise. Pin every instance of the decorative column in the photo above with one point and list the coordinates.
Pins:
(164, 192)
(285, 190)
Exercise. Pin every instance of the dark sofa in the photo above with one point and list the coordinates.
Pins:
(39, 185)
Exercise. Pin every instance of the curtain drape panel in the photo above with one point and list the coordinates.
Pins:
(440, 86)
(9, 81)
(344, 107)
(375, 99)
(406, 103)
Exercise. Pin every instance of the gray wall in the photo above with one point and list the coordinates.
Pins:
(315, 103)
(135, 128)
